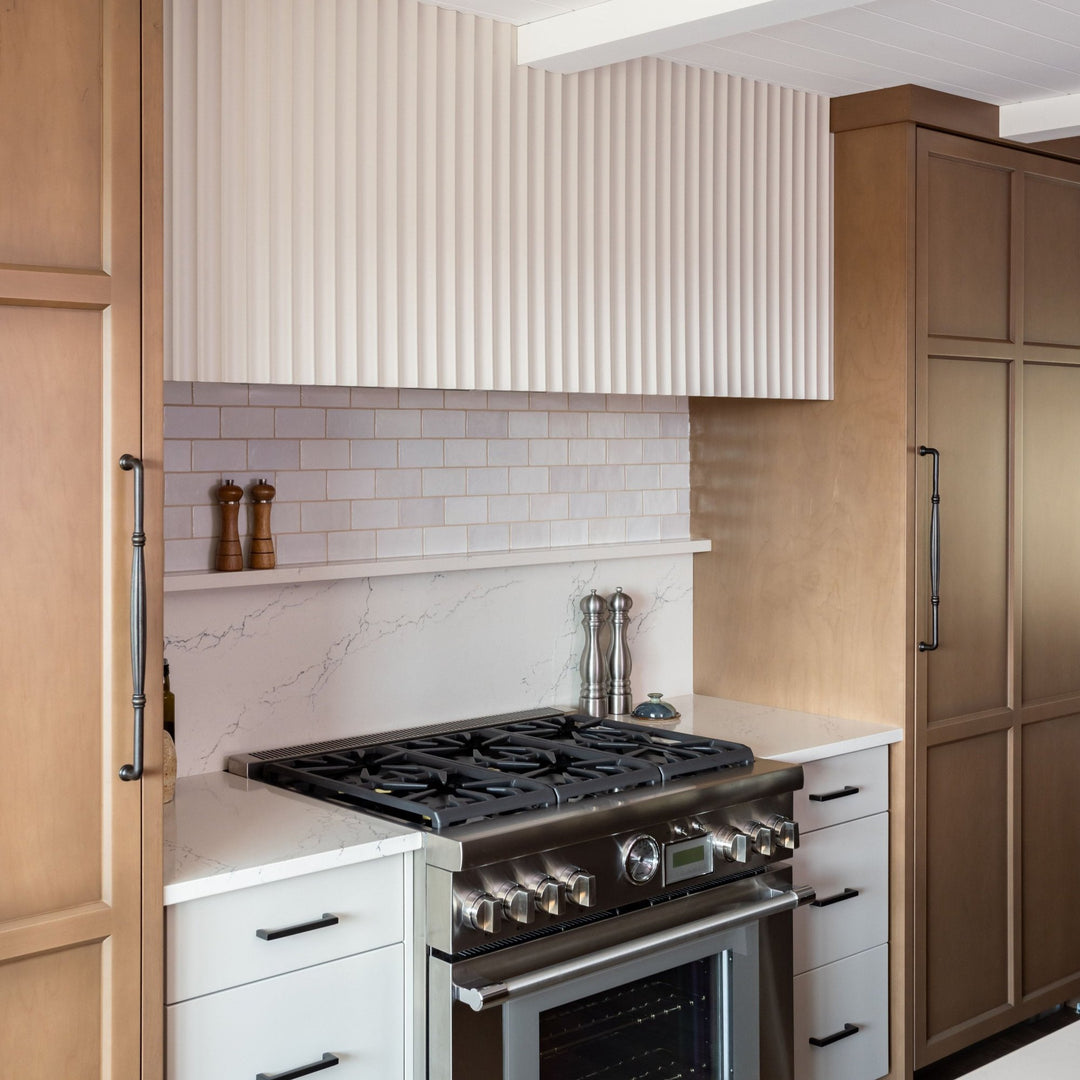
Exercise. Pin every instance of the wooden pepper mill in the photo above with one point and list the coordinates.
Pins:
(262, 543)
(230, 556)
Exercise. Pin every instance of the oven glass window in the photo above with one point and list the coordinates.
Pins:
(662, 1027)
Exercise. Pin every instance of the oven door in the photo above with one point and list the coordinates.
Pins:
(695, 986)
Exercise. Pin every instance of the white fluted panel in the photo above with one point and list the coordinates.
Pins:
(372, 192)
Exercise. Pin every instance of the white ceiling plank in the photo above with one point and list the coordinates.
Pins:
(617, 30)
(1034, 121)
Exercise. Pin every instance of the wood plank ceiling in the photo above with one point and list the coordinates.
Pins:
(1005, 52)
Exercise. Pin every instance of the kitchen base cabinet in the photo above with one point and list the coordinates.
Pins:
(352, 1008)
(833, 1000)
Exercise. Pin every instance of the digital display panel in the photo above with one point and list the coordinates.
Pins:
(687, 859)
(688, 856)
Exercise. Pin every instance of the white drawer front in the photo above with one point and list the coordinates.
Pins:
(851, 991)
(852, 856)
(352, 1008)
(213, 943)
(826, 797)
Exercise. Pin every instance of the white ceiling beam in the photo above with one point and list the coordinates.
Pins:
(1037, 121)
(617, 30)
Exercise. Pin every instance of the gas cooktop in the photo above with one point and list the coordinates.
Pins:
(446, 775)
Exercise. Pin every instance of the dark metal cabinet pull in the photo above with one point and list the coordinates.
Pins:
(299, 928)
(843, 793)
(327, 1061)
(935, 550)
(134, 771)
(836, 1036)
(847, 894)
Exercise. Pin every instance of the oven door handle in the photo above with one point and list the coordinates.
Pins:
(492, 994)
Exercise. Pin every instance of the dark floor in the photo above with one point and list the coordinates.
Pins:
(997, 1045)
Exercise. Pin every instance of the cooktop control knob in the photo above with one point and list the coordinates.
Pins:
(517, 904)
(785, 831)
(482, 912)
(732, 844)
(546, 893)
(580, 888)
(761, 838)
(642, 860)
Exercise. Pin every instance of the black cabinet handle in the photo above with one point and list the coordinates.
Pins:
(843, 793)
(134, 770)
(847, 894)
(299, 928)
(935, 551)
(327, 1061)
(836, 1036)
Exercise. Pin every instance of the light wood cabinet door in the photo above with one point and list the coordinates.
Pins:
(76, 395)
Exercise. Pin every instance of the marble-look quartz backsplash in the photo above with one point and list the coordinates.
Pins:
(270, 666)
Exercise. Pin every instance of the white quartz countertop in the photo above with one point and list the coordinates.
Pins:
(224, 833)
(779, 733)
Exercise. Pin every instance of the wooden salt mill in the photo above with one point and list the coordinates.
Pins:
(230, 556)
(262, 543)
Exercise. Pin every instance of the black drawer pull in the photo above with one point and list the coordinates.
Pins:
(327, 1061)
(847, 894)
(836, 1036)
(299, 928)
(843, 793)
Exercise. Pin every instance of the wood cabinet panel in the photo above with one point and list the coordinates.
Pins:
(968, 277)
(1050, 852)
(1051, 257)
(59, 618)
(968, 423)
(50, 1007)
(966, 917)
(1051, 532)
(51, 63)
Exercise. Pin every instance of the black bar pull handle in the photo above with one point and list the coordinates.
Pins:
(836, 1036)
(299, 928)
(843, 793)
(847, 894)
(134, 770)
(935, 551)
(327, 1061)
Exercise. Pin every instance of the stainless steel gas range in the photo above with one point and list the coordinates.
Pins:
(605, 900)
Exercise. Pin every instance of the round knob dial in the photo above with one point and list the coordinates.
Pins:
(761, 838)
(481, 911)
(580, 888)
(517, 904)
(642, 860)
(546, 893)
(732, 844)
(785, 831)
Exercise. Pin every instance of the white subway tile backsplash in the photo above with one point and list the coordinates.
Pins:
(324, 454)
(350, 484)
(350, 546)
(399, 543)
(266, 394)
(397, 424)
(373, 454)
(219, 393)
(444, 482)
(487, 481)
(192, 422)
(377, 472)
(350, 423)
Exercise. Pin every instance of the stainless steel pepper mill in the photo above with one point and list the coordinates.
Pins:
(594, 673)
(620, 700)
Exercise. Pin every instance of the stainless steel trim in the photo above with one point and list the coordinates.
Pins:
(807, 894)
(486, 996)
(134, 770)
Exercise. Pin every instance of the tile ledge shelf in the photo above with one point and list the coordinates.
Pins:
(192, 581)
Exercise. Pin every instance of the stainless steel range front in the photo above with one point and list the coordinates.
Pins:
(605, 900)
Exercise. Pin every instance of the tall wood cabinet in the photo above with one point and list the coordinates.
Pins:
(957, 272)
(80, 311)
